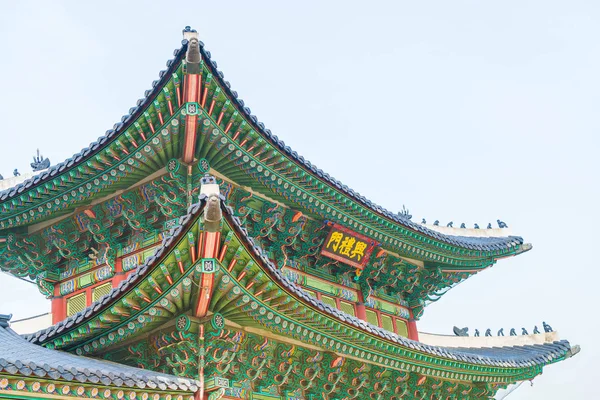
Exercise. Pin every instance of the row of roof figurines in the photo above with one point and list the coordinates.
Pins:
(39, 164)
(406, 214)
(488, 332)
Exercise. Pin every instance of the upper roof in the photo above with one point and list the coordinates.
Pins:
(20, 357)
(20, 211)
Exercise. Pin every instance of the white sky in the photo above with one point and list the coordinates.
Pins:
(465, 110)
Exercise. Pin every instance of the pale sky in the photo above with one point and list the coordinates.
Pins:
(464, 111)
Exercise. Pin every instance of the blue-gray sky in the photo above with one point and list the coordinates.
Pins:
(466, 111)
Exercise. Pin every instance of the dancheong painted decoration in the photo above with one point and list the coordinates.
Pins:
(189, 253)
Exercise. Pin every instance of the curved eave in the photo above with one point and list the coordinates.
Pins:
(477, 244)
(517, 358)
(514, 356)
(174, 236)
(56, 172)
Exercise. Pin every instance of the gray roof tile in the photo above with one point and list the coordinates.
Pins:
(18, 356)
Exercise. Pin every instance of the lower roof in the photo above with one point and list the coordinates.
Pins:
(514, 356)
(20, 357)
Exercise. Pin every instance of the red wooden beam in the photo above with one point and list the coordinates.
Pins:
(191, 94)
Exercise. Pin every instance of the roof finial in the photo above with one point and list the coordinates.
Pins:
(461, 331)
(405, 213)
(192, 56)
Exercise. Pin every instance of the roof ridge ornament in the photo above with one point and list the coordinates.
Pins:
(212, 212)
(405, 213)
(192, 56)
(39, 162)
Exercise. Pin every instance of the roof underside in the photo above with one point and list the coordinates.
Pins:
(511, 357)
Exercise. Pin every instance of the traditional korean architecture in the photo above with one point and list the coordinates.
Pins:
(189, 253)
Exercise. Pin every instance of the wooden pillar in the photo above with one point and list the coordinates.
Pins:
(361, 311)
(413, 333)
(209, 242)
(59, 311)
(119, 273)
(59, 306)
(88, 296)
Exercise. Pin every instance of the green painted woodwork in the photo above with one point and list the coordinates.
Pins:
(233, 149)
(244, 362)
(403, 282)
(265, 341)
(105, 227)
(261, 305)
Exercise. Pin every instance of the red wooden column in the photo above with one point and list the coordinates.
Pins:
(413, 333)
(59, 306)
(119, 274)
(361, 311)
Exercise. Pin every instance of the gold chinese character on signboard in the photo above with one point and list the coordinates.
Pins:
(336, 238)
(346, 246)
(359, 250)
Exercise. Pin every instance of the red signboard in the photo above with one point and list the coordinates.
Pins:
(348, 247)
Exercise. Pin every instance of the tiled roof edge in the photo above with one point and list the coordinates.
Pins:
(92, 373)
